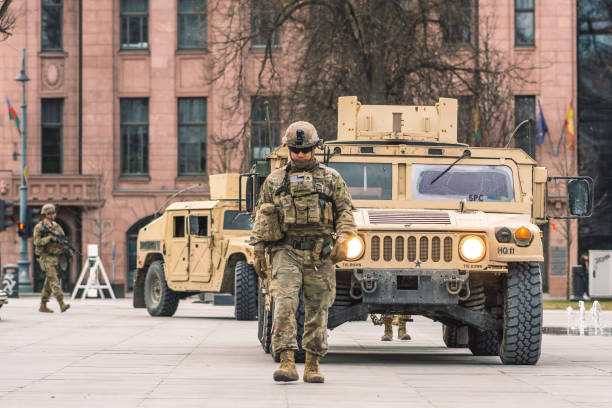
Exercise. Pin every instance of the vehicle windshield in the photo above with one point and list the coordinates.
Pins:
(463, 181)
(233, 220)
(366, 181)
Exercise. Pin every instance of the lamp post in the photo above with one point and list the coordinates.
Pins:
(25, 284)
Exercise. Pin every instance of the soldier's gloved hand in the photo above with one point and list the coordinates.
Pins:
(47, 239)
(259, 263)
(340, 249)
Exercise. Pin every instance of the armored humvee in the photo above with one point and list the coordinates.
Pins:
(446, 231)
(196, 247)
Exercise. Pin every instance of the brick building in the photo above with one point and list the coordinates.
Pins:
(122, 113)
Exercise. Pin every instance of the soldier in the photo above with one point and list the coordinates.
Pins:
(48, 250)
(400, 322)
(301, 208)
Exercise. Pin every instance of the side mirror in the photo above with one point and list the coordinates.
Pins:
(249, 194)
(578, 191)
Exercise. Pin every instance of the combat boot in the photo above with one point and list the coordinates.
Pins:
(63, 306)
(388, 334)
(401, 330)
(311, 369)
(287, 370)
(43, 308)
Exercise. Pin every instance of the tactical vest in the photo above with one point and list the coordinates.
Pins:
(304, 199)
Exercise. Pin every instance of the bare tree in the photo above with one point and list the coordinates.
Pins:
(7, 20)
(383, 51)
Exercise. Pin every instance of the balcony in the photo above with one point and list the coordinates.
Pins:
(62, 189)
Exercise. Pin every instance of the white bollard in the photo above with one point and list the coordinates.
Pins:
(595, 314)
(581, 323)
(570, 312)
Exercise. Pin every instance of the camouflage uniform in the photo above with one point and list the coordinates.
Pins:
(311, 203)
(48, 251)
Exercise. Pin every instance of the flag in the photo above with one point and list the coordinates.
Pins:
(477, 128)
(542, 128)
(13, 115)
(569, 125)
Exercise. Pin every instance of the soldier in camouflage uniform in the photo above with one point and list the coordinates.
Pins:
(48, 250)
(301, 207)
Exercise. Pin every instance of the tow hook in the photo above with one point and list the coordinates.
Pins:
(455, 283)
(368, 281)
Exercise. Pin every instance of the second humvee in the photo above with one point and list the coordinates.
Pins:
(197, 247)
(446, 231)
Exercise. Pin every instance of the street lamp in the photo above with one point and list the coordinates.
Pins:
(25, 284)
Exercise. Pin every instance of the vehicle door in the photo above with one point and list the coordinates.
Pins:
(177, 247)
(199, 246)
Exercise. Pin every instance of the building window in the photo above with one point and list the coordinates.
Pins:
(191, 136)
(262, 24)
(51, 147)
(134, 24)
(51, 25)
(456, 22)
(261, 141)
(524, 25)
(134, 136)
(191, 24)
(524, 108)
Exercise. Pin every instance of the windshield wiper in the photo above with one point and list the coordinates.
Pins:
(465, 154)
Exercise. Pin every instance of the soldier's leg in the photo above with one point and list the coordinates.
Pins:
(54, 285)
(388, 334)
(44, 296)
(285, 289)
(319, 294)
(401, 327)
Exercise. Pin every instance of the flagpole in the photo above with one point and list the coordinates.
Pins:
(25, 284)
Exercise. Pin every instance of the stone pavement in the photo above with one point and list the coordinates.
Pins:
(104, 353)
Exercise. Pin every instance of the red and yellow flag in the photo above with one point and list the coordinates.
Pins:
(569, 125)
(13, 115)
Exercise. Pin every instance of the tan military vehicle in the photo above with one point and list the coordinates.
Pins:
(446, 231)
(197, 247)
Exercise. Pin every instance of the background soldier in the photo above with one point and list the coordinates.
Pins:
(48, 250)
(301, 207)
(400, 322)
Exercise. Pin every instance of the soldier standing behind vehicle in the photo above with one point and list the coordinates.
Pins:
(48, 250)
(301, 207)
(400, 321)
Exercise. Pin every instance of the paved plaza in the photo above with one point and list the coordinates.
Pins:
(104, 353)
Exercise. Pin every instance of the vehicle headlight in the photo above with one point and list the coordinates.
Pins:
(472, 248)
(356, 248)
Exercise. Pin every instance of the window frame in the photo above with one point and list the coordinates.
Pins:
(59, 6)
(204, 141)
(52, 125)
(259, 39)
(448, 39)
(123, 158)
(179, 13)
(518, 11)
(128, 15)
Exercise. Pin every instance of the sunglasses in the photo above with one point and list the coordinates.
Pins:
(297, 150)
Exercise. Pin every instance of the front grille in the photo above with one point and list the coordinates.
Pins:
(430, 248)
(408, 218)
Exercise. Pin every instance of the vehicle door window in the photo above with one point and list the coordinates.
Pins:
(232, 220)
(198, 225)
(179, 226)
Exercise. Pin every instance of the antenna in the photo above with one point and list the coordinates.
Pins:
(174, 195)
(516, 130)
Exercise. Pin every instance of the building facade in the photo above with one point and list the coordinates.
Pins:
(124, 112)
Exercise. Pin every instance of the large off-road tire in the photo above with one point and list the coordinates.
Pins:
(481, 343)
(264, 322)
(245, 291)
(521, 341)
(300, 355)
(159, 298)
(450, 336)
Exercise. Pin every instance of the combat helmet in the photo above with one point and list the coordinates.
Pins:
(48, 209)
(301, 134)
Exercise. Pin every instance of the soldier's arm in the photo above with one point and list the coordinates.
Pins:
(343, 217)
(39, 238)
(265, 196)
